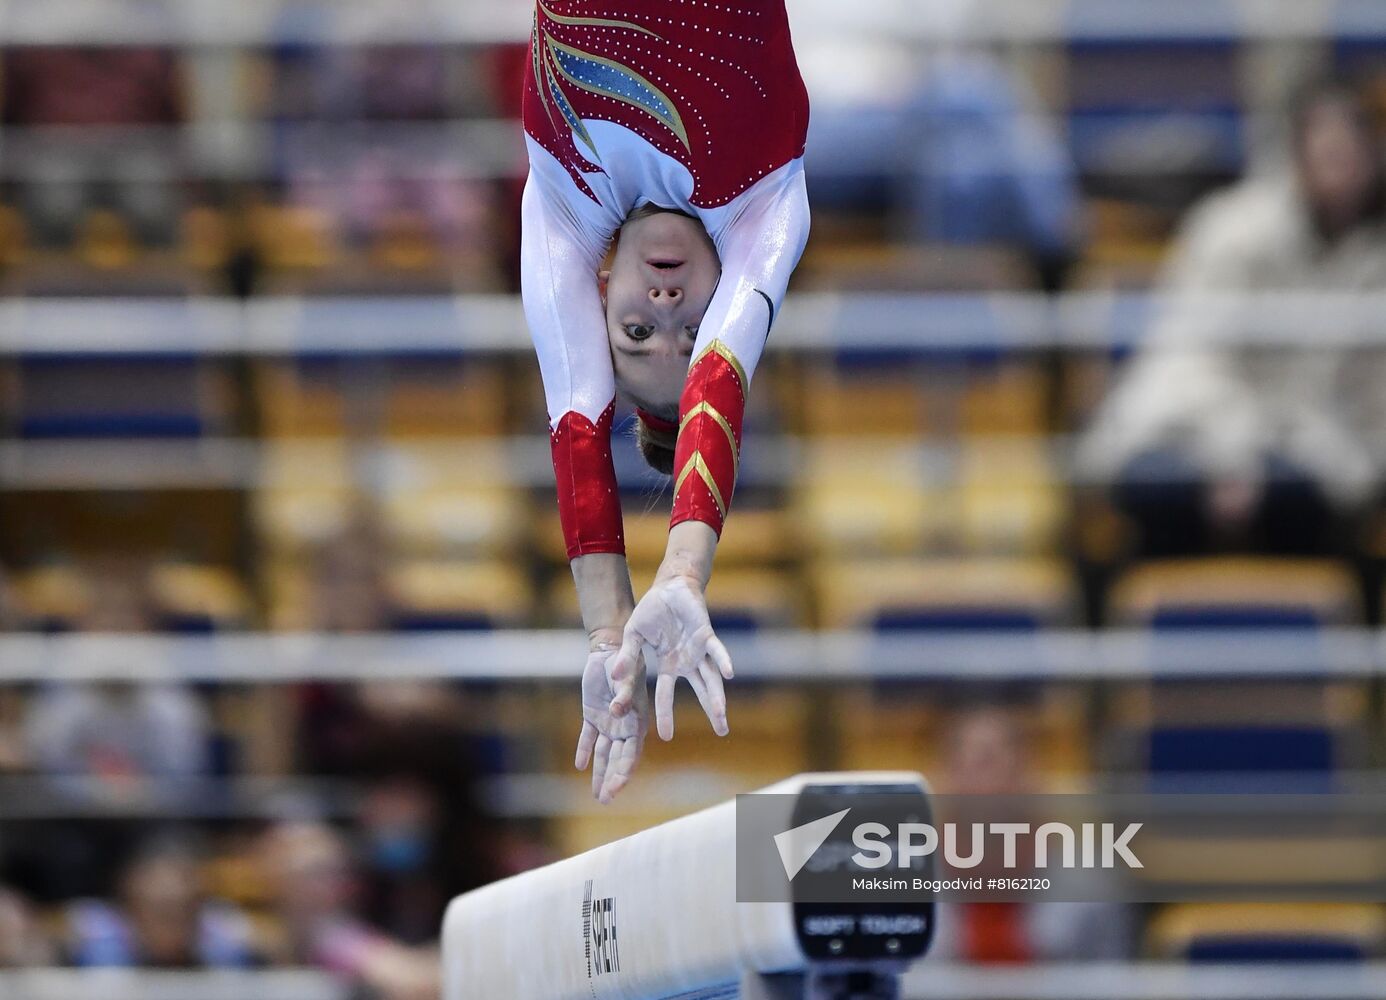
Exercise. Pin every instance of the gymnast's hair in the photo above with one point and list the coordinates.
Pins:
(656, 445)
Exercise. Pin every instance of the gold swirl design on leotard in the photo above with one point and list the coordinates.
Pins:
(557, 63)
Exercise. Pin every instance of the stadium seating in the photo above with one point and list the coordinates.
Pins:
(868, 497)
(51, 598)
(190, 598)
(119, 397)
(1204, 735)
(1010, 500)
(943, 594)
(891, 488)
(1257, 734)
(1172, 93)
(1236, 593)
(437, 594)
(1269, 932)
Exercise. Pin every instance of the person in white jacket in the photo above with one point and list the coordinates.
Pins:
(1252, 414)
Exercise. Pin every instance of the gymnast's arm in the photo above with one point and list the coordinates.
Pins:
(563, 309)
(559, 257)
(759, 250)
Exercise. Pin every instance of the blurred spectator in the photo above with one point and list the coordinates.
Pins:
(22, 942)
(985, 166)
(9, 617)
(426, 837)
(162, 918)
(94, 143)
(362, 134)
(988, 751)
(315, 887)
(106, 744)
(956, 142)
(13, 757)
(347, 576)
(1270, 448)
(400, 826)
(117, 732)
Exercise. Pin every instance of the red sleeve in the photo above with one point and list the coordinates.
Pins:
(711, 410)
(589, 504)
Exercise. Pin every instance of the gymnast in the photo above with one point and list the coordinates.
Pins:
(663, 214)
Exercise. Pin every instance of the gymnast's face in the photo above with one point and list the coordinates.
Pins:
(662, 277)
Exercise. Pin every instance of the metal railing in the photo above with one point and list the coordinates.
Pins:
(856, 322)
(1117, 654)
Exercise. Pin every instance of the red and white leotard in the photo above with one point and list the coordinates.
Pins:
(684, 104)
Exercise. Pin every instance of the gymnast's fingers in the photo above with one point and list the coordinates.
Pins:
(599, 763)
(707, 684)
(587, 739)
(720, 657)
(664, 705)
(627, 660)
(625, 754)
(623, 680)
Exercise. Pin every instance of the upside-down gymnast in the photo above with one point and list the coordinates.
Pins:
(667, 134)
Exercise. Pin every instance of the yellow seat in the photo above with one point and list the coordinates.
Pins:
(198, 596)
(290, 520)
(290, 601)
(445, 398)
(759, 597)
(862, 402)
(769, 738)
(206, 238)
(14, 237)
(871, 496)
(455, 520)
(883, 265)
(1010, 497)
(105, 241)
(1007, 398)
(1337, 705)
(294, 239)
(55, 596)
(308, 494)
(944, 592)
(1212, 930)
(295, 404)
(1289, 591)
(886, 728)
(426, 593)
(885, 731)
(407, 398)
(452, 497)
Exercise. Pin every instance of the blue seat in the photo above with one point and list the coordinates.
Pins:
(113, 397)
(1255, 950)
(1148, 77)
(1242, 749)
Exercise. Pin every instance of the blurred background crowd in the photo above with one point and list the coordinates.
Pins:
(1189, 199)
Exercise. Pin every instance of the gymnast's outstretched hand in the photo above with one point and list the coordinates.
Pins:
(670, 627)
(615, 715)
